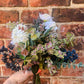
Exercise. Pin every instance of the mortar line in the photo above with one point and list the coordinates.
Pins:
(47, 7)
(58, 23)
(50, 80)
(1, 71)
(28, 2)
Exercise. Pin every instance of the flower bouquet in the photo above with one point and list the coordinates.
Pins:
(39, 45)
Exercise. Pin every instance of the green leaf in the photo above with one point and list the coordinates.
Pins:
(25, 62)
(73, 61)
(69, 66)
(27, 44)
(30, 41)
(58, 66)
(80, 64)
(47, 32)
(74, 66)
(22, 57)
(64, 65)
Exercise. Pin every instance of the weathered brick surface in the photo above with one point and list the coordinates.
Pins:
(40, 3)
(7, 42)
(81, 80)
(29, 15)
(1, 62)
(78, 1)
(65, 81)
(7, 71)
(79, 44)
(6, 16)
(45, 81)
(68, 14)
(47, 73)
(2, 79)
(72, 72)
(13, 3)
(0, 71)
(1, 43)
(76, 29)
(5, 33)
(80, 57)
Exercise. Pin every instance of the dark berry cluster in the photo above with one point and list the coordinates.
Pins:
(70, 56)
(10, 59)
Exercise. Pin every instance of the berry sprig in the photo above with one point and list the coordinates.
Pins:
(10, 59)
(70, 56)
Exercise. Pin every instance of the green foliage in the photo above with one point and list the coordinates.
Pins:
(68, 41)
(80, 65)
(69, 65)
(21, 56)
(46, 32)
(74, 65)
(30, 41)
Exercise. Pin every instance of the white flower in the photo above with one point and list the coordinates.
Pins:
(18, 34)
(45, 17)
(50, 24)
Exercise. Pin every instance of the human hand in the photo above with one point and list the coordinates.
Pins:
(19, 77)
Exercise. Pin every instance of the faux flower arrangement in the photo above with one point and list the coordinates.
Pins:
(38, 45)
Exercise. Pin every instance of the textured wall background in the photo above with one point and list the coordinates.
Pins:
(69, 15)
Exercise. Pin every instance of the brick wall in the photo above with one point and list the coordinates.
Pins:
(69, 15)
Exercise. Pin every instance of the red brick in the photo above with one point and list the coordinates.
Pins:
(7, 42)
(7, 71)
(80, 57)
(1, 43)
(65, 81)
(47, 73)
(76, 29)
(0, 71)
(13, 3)
(72, 72)
(2, 80)
(79, 44)
(54, 81)
(28, 15)
(40, 3)
(78, 1)
(5, 33)
(45, 80)
(1, 62)
(6, 16)
(81, 80)
(68, 14)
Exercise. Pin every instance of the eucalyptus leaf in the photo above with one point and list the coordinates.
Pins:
(64, 65)
(74, 66)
